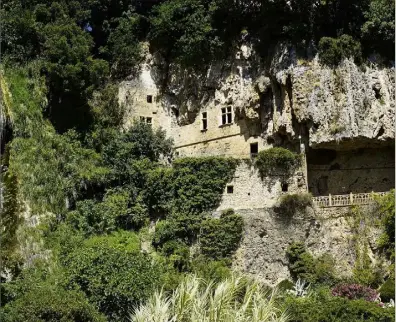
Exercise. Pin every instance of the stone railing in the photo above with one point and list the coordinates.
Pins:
(346, 200)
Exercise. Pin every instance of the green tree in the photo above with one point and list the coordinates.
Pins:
(40, 294)
(220, 238)
(113, 277)
(378, 31)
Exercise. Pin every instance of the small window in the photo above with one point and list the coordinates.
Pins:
(147, 120)
(149, 98)
(230, 189)
(253, 149)
(285, 187)
(226, 115)
(204, 121)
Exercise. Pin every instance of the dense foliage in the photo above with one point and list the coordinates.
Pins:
(276, 161)
(290, 204)
(41, 295)
(305, 266)
(112, 276)
(322, 306)
(219, 238)
(95, 186)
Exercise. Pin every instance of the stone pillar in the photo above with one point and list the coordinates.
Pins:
(304, 164)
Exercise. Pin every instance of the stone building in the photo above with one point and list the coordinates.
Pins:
(340, 120)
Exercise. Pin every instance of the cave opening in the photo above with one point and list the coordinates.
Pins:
(361, 170)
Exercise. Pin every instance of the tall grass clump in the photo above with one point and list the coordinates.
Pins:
(236, 299)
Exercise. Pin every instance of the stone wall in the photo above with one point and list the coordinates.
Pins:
(267, 235)
(250, 191)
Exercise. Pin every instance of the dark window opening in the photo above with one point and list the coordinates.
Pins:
(149, 98)
(204, 121)
(285, 187)
(253, 149)
(147, 120)
(230, 189)
(229, 115)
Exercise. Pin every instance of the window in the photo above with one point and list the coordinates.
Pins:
(204, 121)
(226, 115)
(285, 187)
(147, 120)
(149, 98)
(253, 149)
(230, 189)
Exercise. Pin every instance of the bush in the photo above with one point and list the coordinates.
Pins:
(220, 238)
(112, 274)
(40, 294)
(387, 215)
(285, 285)
(51, 303)
(355, 292)
(276, 161)
(333, 50)
(387, 290)
(210, 270)
(180, 227)
(314, 270)
(289, 204)
(324, 307)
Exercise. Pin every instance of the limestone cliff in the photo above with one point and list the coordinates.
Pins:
(279, 102)
(289, 97)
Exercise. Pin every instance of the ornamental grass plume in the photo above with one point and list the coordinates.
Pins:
(237, 299)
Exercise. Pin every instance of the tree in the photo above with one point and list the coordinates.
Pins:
(112, 276)
(378, 31)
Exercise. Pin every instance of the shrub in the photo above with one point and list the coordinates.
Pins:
(304, 266)
(40, 294)
(387, 290)
(219, 238)
(211, 270)
(285, 285)
(276, 161)
(333, 50)
(355, 292)
(178, 254)
(324, 307)
(112, 275)
(289, 204)
(180, 227)
(387, 215)
(51, 303)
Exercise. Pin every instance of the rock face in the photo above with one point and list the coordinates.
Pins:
(324, 231)
(290, 97)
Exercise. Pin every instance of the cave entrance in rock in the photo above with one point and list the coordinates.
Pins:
(345, 171)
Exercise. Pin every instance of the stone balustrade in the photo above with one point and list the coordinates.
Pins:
(346, 200)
